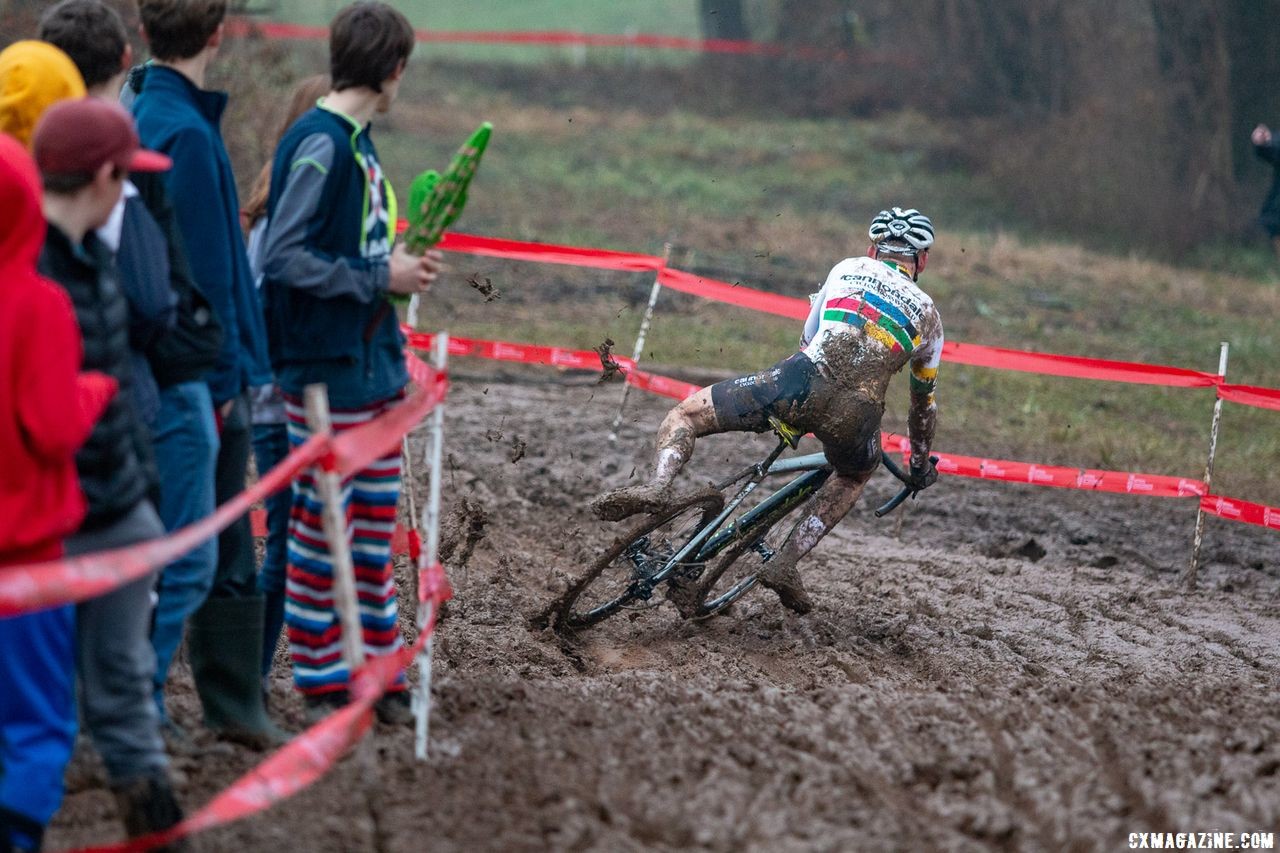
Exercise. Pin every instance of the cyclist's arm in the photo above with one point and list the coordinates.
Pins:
(923, 416)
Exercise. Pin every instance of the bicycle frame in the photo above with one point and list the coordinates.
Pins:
(710, 539)
(713, 538)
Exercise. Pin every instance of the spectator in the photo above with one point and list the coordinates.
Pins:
(178, 116)
(1267, 147)
(270, 435)
(328, 267)
(47, 410)
(184, 435)
(76, 28)
(84, 148)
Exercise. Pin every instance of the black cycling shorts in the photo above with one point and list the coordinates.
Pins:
(794, 392)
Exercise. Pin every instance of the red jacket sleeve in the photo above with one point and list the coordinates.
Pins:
(56, 409)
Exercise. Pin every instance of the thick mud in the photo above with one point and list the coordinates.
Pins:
(1000, 667)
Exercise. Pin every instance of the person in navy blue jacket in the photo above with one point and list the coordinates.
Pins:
(328, 267)
(179, 117)
(1267, 147)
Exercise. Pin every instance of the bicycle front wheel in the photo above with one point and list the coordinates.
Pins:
(625, 572)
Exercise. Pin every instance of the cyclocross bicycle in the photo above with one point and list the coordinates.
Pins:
(705, 554)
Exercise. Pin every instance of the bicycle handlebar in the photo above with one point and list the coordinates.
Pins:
(907, 490)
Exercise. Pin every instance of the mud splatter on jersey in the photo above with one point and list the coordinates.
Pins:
(871, 300)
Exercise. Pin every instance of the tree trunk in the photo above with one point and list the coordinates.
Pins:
(1191, 52)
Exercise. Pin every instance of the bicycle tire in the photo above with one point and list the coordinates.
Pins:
(711, 600)
(703, 505)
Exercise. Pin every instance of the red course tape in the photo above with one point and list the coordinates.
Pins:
(73, 579)
(1004, 470)
(1049, 364)
(1249, 395)
(288, 31)
(310, 755)
(69, 580)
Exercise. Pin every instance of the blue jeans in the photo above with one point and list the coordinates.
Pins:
(270, 445)
(186, 444)
(37, 712)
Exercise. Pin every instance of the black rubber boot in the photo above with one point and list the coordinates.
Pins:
(395, 708)
(273, 624)
(224, 645)
(317, 706)
(147, 805)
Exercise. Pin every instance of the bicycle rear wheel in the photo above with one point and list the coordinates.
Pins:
(624, 573)
(733, 575)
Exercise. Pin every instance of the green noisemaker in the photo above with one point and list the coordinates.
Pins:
(436, 201)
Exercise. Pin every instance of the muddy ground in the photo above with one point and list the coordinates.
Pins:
(1009, 668)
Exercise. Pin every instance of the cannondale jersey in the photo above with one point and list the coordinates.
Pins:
(890, 321)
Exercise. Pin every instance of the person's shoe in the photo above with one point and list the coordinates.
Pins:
(272, 628)
(147, 805)
(224, 645)
(683, 593)
(782, 578)
(395, 709)
(317, 706)
(631, 500)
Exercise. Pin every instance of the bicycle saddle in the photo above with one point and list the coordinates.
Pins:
(786, 432)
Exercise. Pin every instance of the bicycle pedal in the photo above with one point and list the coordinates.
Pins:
(766, 553)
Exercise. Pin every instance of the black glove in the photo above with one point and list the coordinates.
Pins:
(922, 478)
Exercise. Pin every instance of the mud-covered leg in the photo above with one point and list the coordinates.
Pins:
(685, 422)
(824, 511)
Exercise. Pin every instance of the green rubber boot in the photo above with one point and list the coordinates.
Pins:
(224, 645)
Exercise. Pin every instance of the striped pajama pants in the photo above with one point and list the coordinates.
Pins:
(311, 617)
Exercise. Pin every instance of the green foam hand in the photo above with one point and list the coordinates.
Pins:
(436, 201)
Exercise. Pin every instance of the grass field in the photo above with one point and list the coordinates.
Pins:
(584, 157)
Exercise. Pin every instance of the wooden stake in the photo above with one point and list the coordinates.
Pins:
(1208, 473)
(640, 337)
(411, 314)
(407, 480)
(427, 559)
(316, 399)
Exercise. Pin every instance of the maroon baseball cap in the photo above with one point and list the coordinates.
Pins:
(76, 137)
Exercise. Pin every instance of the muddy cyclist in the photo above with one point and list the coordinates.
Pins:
(868, 321)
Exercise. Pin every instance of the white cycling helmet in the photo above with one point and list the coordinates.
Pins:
(898, 230)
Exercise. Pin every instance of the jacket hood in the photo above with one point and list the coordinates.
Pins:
(22, 226)
(34, 75)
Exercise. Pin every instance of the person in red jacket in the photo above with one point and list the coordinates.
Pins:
(47, 410)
